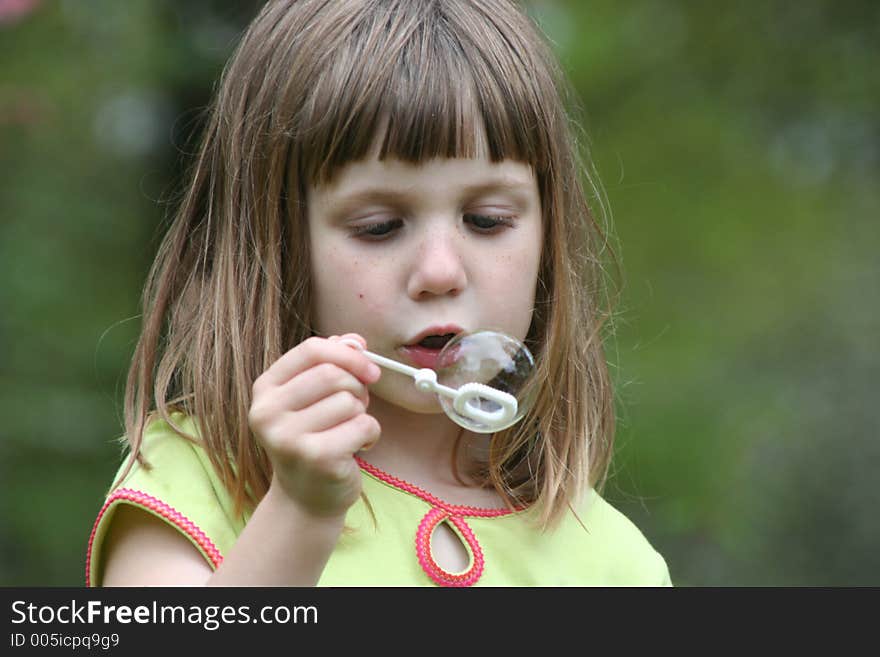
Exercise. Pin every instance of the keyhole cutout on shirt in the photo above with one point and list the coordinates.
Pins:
(448, 549)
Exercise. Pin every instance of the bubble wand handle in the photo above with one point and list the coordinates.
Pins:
(426, 379)
(466, 400)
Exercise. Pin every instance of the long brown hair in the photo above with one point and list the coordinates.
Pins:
(312, 85)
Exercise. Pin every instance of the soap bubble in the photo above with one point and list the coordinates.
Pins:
(491, 358)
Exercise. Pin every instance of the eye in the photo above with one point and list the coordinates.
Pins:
(377, 231)
(483, 223)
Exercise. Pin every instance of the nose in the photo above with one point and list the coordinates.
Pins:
(437, 266)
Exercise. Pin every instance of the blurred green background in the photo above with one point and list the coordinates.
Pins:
(738, 144)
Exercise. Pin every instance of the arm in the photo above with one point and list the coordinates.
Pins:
(278, 547)
(309, 414)
(141, 550)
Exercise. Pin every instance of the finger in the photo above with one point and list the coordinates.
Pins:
(349, 337)
(329, 412)
(357, 433)
(319, 382)
(319, 350)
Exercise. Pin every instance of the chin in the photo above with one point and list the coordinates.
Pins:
(408, 398)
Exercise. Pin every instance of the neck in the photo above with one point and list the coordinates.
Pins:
(420, 446)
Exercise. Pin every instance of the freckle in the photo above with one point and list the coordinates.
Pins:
(360, 296)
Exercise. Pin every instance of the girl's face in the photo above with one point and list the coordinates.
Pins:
(401, 251)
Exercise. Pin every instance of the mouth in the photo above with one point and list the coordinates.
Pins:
(434, 341)
(424, 350)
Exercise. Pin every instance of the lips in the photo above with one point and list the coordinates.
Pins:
(424, 349)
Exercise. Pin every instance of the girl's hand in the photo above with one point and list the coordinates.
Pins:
(309, 414)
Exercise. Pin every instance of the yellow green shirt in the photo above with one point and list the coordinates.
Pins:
(504, 547)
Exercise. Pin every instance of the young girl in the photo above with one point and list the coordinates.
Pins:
(389, 172)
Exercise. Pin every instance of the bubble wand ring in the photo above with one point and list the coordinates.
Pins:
(466, 400)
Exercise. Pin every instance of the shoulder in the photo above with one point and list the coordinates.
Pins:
(629, 557)
(175, 468)
(176, 485)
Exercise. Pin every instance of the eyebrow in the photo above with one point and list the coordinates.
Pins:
(385, 194)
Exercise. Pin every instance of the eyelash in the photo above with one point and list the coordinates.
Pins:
(387, 227)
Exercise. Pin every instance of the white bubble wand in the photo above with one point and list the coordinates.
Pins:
(467, 400)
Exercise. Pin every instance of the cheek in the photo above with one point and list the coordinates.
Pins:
(331, 290)
(513, 292)
(349, 292)
(370, 285)
(519, 272)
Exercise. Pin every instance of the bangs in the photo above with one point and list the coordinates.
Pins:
(415, 81)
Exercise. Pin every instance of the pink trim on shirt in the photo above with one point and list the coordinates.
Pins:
(454, 509)
(169, 513)
(442, 512)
